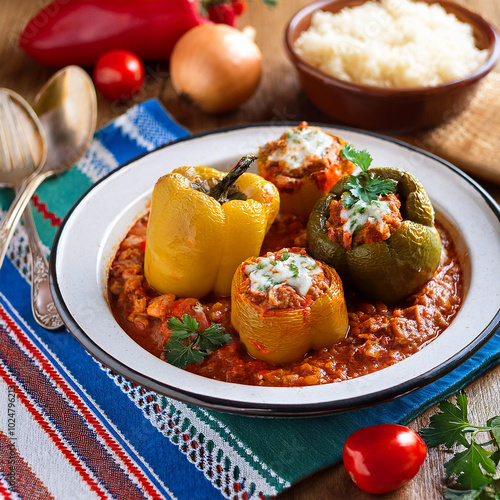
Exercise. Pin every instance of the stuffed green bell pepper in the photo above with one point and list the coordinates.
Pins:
(377, 230)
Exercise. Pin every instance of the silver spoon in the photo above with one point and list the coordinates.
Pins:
(67, 109)
(22, 153)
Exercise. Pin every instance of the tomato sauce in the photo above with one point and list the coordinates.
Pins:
(379, 335)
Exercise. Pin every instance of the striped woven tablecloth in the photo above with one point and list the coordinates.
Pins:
(72, 429)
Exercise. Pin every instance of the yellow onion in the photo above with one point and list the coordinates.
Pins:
(282, 336)
(218, 67)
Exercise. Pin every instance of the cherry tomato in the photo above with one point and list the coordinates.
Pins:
(382, 458)
(239, 7)
(119, 75)
(222, 14)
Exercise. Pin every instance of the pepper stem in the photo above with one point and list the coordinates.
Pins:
(219, 191)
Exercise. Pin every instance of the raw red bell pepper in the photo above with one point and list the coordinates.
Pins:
(80, 31)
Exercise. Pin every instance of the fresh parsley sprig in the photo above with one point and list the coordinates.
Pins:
(365, 187)
(179, 351)
(473, 470)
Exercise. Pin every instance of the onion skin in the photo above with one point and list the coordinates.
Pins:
(218, 67)
(281, 336)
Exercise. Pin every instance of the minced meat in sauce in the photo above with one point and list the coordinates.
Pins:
(379, 335)
(353, 231)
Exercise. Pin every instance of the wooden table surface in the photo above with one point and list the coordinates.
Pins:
(277, 99)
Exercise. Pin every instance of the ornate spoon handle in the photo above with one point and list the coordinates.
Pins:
(16, 209)
(42, 303)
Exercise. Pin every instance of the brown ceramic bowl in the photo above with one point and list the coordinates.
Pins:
(386, 109)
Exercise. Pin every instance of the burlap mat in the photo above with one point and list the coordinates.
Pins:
(471, 140)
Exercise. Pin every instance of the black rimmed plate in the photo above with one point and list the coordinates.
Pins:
(92, 231)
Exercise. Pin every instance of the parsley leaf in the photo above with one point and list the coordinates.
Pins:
(180, 353)
(474, 468)
(348, 200)
(452, 494)
(494, 423)
(360, 158)
(465, 466)
(448, 426)
(364, 187)
(212, 338)
(183, 329)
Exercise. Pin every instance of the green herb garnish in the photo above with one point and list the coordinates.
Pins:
(363, 188)
(294, 269)
(473, 470)
(179, 353)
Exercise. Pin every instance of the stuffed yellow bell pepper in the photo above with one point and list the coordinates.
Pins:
(203, 224)
(286, 303)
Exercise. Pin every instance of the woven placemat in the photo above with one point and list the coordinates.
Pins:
(471, 140)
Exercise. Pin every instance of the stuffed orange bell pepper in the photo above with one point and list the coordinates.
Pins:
(203, 224)
(286, 303)
(304, 164)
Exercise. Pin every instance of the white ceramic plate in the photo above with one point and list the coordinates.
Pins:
(93, 229)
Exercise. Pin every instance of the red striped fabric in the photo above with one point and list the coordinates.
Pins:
(18, 474)
(74, 429)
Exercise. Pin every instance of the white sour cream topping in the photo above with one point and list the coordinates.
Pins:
(358, 215)
(293, 270)
(302, 143)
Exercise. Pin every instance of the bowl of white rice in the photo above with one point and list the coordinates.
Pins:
(390, 65)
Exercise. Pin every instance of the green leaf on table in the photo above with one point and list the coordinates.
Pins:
(462, 402)
(452, 494)
(448, 426)
(469, 467)
(474, 469)
(494, 423)
(495, 456)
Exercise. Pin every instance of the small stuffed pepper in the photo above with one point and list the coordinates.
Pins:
(286, 303)
(377, 229)
(304, 164)
(203, 224)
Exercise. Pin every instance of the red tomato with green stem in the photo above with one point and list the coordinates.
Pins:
(382, 458)
(119, 75)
